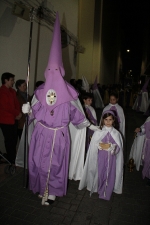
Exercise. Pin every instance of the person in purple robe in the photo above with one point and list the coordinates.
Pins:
(145, 157)
(90, 115)
(54, 106)
(103, 171)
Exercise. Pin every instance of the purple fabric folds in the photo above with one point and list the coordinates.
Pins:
(41, 157)
(106, 170)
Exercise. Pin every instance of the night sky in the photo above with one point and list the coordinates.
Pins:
(135, 27)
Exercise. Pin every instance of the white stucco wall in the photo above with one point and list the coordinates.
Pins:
(86, 29)
(14, 42)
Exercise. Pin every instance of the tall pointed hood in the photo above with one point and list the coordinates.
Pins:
(55, 56)
(95, 84)
(56, 90)
(85, 84)
(144, 88)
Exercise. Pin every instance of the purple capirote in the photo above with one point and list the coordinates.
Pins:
(54, 74)
(106, 170)
(146, 152)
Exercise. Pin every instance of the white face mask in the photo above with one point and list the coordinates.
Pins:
(51, 97)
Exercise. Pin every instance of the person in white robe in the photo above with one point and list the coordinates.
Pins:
(142, 102)
(114, 106)
(90, 115)
(78, 137)
(78, 143)
(139, 144)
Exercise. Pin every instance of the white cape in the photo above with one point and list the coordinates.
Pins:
(144, 102)
(20, 153)
(136, 151)
(85, 84)
(138, 145)
(78, 137)
(121, 116)
(90, 174)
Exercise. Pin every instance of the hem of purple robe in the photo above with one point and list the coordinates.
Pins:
(50, 193)
(145, 176)
(105, 198)
(35, 191)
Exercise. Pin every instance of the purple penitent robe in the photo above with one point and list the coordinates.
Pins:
(106, 169)
(146, 151)
(50, 147)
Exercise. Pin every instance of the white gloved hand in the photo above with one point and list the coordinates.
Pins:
(26, 108)
(99, 147)
(112, 149)
(93, 127)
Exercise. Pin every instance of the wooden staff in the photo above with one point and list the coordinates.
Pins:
(25, 175)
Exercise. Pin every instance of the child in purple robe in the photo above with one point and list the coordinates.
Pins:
(145, 157)
(103, 171)
(117, 109)
(90, 115)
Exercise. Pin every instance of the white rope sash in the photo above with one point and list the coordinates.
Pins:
(45, 196)
(50, 128)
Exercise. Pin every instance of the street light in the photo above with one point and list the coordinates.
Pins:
(128, 50)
